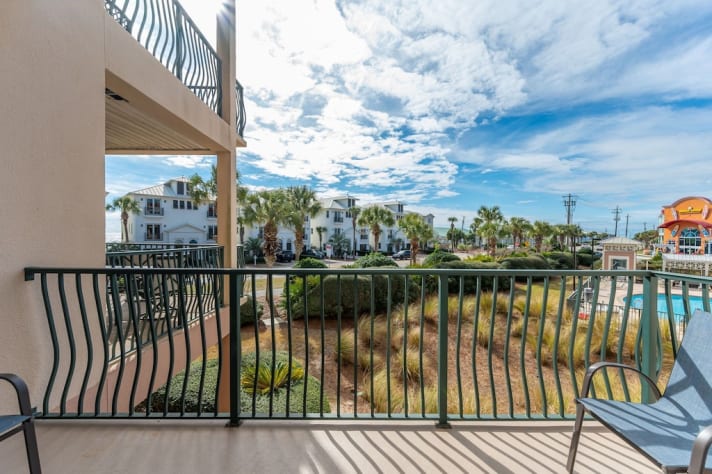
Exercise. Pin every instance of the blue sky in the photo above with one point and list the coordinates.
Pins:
(450, 105)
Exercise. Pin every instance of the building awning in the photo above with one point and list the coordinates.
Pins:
(695, 222)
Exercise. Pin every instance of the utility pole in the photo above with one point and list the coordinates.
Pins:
(617, 217)
(627, 216)
(570, 205)
(645, 226)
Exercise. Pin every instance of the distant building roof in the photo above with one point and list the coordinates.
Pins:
(621, 241)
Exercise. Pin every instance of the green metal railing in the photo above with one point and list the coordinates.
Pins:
(356, 343)
(165, 29)
(241, 118)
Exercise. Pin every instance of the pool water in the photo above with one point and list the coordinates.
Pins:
(636, 301)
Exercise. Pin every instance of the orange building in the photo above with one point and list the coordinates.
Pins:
(686, 226)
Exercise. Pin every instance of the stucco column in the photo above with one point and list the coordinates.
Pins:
(227, 162)
(227, 206)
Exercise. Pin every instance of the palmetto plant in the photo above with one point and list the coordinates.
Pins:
(126, 205)
(264, 380)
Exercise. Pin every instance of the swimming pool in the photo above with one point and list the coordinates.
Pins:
(636, 302)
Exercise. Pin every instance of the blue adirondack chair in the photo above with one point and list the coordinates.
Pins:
(675, 432)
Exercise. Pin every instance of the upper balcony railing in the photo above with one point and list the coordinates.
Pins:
(164, 28)
(386, 343)
(240, 109)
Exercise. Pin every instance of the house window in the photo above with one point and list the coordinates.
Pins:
(327, 214)
(337, 231)
(189, 205)
(364, 234)
(175, 204)
(153, 232)
(182, 204)
(338, 216)
(180, 187)
(153, 207)
(212, 232)
(212, 210)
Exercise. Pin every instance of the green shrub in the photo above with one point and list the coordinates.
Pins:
(310, 263)
(250, 312)
(483, 257)
(295, 388)
(437, 257)
(470, 282)
(559, 260)
(348, 292)
(374, 260)
(534, 262)
(193, 402)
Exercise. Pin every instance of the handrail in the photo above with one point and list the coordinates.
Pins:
(240, 109)
(166, 30)
(390, 343)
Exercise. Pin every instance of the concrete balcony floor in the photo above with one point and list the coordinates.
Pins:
(204, 447)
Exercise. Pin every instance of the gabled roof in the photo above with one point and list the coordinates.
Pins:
(185, 228)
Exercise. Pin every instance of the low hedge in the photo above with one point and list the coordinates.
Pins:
(347, 294)
(192, 403)
(470, 282)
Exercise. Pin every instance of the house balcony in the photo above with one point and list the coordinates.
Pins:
(382, 369)
(153, 212)
(164, 83)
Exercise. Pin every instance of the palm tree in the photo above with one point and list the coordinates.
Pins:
(268, 208)
(202, 191)
(539, 231)
(241, 198)
(253, 246)
(355, 211)
(301, 203)
(518, 227)
(490, 226)
(124, 204)
(416, 230)
(321, 230)
(451, 234)
(373, 217)
(559, 233)
(339, 243)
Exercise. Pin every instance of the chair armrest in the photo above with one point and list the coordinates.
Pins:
(603, 364)
(699, 451)
(23, 395)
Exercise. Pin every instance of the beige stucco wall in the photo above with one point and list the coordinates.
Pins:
(56, 58)
(52, 149)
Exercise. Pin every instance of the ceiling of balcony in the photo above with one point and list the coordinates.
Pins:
(131, 131)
